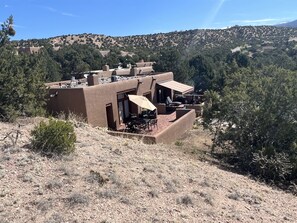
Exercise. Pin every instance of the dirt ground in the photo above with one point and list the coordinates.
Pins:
(111, 179)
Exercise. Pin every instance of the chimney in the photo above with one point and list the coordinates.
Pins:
(134, 71)
(105, 67)
(113, 77)
(92, 80)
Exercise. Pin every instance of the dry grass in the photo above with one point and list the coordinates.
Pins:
(111, 179)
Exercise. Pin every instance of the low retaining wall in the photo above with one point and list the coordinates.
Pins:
(178, 128)
(168, 135)
(198, 108)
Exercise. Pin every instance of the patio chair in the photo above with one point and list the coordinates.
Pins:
(172, 105)
(154, 122)
(152, 114)
(144, 114)
(132, 116)
(169, 102)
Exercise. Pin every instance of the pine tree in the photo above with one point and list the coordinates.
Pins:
(22, 89)
(171, 60)
(6, 31)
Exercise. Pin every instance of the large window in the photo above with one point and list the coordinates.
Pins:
(124, 108)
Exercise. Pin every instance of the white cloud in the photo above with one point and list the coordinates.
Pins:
(68, 14)
(49, 9)
(214, 12)
(265, 21)
(18, 26)
(59, 12)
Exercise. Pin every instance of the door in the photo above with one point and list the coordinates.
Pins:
(109, 116)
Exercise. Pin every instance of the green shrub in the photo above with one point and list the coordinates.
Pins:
(178, 143)
(54, 138)
(255, 123)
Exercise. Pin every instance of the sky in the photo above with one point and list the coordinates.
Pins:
(35, 19)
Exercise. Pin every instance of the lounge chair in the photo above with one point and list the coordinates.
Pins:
(172, 105)
(169, 102)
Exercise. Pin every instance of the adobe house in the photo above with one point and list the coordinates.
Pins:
(102, 98)
(29, 50)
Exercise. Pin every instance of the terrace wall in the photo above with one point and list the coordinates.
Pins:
(168, 135)
(177, 128)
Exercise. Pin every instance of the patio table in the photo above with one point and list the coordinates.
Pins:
(136, 125)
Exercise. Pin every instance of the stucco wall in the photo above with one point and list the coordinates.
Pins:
(98, 96)
(67, 100)
(177, 129)
(91, 101)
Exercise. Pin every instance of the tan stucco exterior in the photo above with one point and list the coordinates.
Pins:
(91, 102)
(67, 100)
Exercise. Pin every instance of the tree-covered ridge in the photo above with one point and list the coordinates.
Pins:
(218, 51)
(197, 39)
(70, 55)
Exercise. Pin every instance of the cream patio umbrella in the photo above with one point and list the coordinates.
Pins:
(142, 102)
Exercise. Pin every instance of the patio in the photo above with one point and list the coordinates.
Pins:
(163, 121)
(170, 127)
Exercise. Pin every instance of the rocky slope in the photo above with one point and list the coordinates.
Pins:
(111, 179)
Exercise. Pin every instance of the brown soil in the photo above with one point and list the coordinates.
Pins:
(110, 179)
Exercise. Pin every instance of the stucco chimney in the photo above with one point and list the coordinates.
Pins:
(114, 76)
(105, 67)
(134, 71)
(92, 80)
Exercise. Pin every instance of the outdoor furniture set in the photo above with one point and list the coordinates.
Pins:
(140, 124)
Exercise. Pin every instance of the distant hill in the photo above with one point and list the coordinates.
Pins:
(292, 24)
(259, 38)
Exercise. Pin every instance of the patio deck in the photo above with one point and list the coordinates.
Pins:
(164, 121)
(170, 127)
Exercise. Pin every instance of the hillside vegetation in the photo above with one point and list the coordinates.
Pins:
(203, 58)
(248, 76)
(190, 39)
(111, 179)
